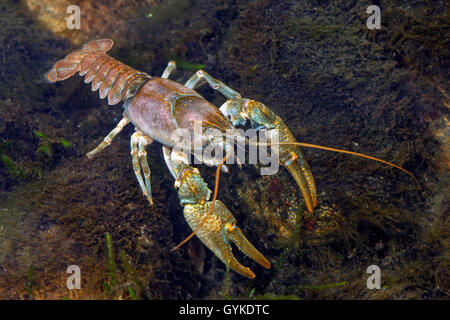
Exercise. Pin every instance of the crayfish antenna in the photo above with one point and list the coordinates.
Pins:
(315, 146)
(301, 144)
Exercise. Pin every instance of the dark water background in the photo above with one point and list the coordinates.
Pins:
(334, 82)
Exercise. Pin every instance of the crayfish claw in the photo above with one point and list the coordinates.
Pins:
(216, 229)
(217, 233)
(293, 160)
(237, 237)
(290, 155)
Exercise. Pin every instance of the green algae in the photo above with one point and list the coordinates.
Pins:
(330, 79)
(46, 143)
(183, 64)
(269, 296)
(111, 265)
(29, 286)
(324, 286)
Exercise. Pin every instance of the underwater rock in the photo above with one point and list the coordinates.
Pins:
(96, 19)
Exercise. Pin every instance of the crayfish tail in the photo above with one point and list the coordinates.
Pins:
(111, 77)
(71, 64)
(98, 45)
(61, 71)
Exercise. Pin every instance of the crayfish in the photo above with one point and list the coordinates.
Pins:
(158, 107)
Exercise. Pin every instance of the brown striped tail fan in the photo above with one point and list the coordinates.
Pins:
(111, 77)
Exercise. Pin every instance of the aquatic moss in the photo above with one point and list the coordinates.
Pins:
(111, 265)
(330, 79)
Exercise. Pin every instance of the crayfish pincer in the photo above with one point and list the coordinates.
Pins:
(158, 108)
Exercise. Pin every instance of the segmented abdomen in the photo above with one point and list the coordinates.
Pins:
(111, 77)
